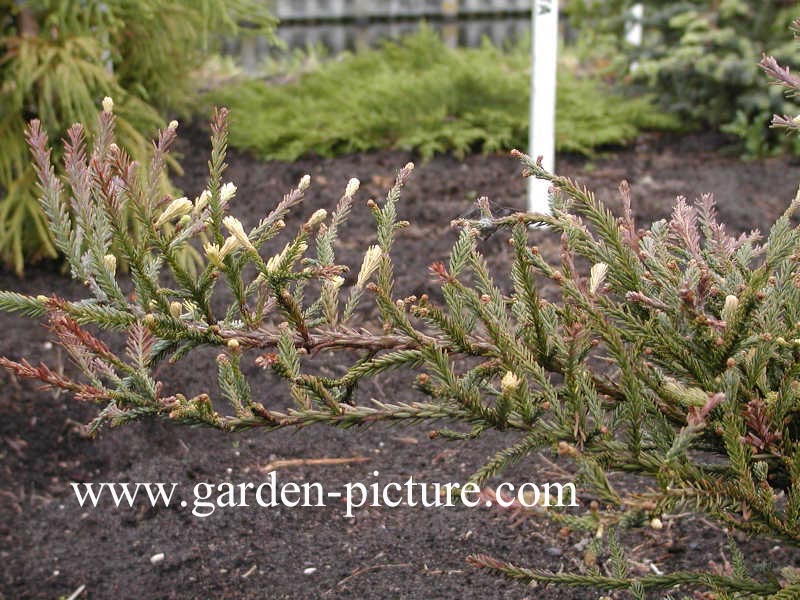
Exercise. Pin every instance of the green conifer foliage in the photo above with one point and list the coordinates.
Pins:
(59, 58)
(672, 352)
(700, 57)
(421, 95)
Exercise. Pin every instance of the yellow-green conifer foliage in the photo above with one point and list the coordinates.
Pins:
(59, 58)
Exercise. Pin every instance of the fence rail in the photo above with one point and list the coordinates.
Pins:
(343, 10)
(339, 36)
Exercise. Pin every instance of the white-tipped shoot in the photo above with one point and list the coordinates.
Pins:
(175, 309)
(227, 192)
(352, 187)
(110, 263)
(177, 208)
(318, 217)
(216, 254)
(509, 383)
(597, 276)
(729, 308)
(235, 228)
(372, 258)
(202, 201)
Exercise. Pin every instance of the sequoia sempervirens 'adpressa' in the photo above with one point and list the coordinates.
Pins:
(647, 351)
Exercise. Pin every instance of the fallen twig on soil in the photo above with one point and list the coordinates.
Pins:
(362, 570)
(295, 462)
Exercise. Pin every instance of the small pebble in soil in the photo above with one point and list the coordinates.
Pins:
(309, 571)
(157, 558)
(580, 546)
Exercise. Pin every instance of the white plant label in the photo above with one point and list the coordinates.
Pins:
(544, 48)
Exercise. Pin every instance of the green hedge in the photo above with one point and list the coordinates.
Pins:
(419, 94)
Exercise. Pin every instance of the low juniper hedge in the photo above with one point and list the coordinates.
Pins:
(673, 354)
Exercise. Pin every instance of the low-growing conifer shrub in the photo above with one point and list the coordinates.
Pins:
(700, 59)
(418, 94)
(672, 352)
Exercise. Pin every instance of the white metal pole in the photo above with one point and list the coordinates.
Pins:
(544, 49)
(633, 35)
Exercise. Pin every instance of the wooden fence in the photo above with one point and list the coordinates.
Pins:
(359, 10)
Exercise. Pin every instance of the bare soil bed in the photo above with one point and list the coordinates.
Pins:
(50, 546)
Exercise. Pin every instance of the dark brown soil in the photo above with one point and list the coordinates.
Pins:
(50, 547)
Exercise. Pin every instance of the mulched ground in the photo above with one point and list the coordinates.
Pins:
(50, 547)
